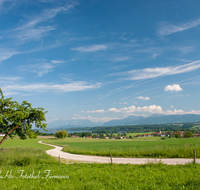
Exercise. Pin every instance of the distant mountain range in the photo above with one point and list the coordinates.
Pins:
(72, 123)
(154, 119)
(130, 120)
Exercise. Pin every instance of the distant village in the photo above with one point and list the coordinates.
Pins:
(123, 135)
(173, 134)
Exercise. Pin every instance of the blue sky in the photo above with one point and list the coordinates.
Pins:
(101, 60)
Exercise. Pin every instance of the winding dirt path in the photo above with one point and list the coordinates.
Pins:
(57, 151)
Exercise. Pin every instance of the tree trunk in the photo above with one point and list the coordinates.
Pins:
(5, 137)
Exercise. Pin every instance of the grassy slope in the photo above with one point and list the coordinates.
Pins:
(151, 147)
(29, 156)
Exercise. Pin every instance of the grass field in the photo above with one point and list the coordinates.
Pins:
(29, 156)
(151, 147)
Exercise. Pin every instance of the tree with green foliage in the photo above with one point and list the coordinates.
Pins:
(61, 134)
(101, 135)
(18, 119)
(188, 134)
(178, 135)
(124, 134)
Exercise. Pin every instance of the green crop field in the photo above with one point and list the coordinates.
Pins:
(151, 147)
(29, 157)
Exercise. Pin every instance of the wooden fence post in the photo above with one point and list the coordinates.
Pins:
(59, 159)
(194, 156)
(111, 158)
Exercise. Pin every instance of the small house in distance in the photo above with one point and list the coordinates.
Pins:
(2, 134)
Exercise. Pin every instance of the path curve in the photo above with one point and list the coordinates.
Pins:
(57, 151)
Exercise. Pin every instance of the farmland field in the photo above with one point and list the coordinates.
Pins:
(149, 147)
(29, 156)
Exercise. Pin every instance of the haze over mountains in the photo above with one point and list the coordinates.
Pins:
(130, 120)
(62, 123)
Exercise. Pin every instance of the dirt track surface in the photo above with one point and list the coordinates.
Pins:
(57, 151)
(46, 137)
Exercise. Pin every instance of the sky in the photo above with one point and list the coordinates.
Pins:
(101, 60)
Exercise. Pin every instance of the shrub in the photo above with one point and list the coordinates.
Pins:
(188, 134)
(22, 161)
(61, 134)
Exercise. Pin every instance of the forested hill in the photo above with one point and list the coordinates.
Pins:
(139, 128)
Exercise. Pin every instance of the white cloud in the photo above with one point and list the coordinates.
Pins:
(175, 87)
(172, 106)
(186, 49)
(44, 16)
(180, 112)
(31, 31)
(148, 73)
(2, 2)
(166, 28)
(95, 119)
(143, 98)
(45, 87)
(6, 5)
(123, 103)
(57, 61)
(121, 59)
(151, 109)
(131, 109)
(95, 111)
(133, 40)
(7, 53)
(41, 68)
(10, 78)
(155, 55)
(91, 48)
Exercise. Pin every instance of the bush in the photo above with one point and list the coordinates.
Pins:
(178, 135)
(22, 161)
(188, 134)
(61, 134)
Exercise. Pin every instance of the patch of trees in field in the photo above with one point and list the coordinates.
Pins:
(61, 134)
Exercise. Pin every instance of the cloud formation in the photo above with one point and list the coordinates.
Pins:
(131, 109)
(151, 109)
(57, 61)
(121, 59)
(6, 5)
(41, 68)
(96, 47)
(143, 98)
(148, 73)
(175, 87)
(123, 103)
(9, 80)
(94, 111)
(7, 53)
(45, 87)
(166, 28)
(32, 30)
(95, 119)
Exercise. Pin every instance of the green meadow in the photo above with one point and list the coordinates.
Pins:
(149, 147)
(25, 165)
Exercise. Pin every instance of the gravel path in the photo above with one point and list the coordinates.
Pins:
(57, 151)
